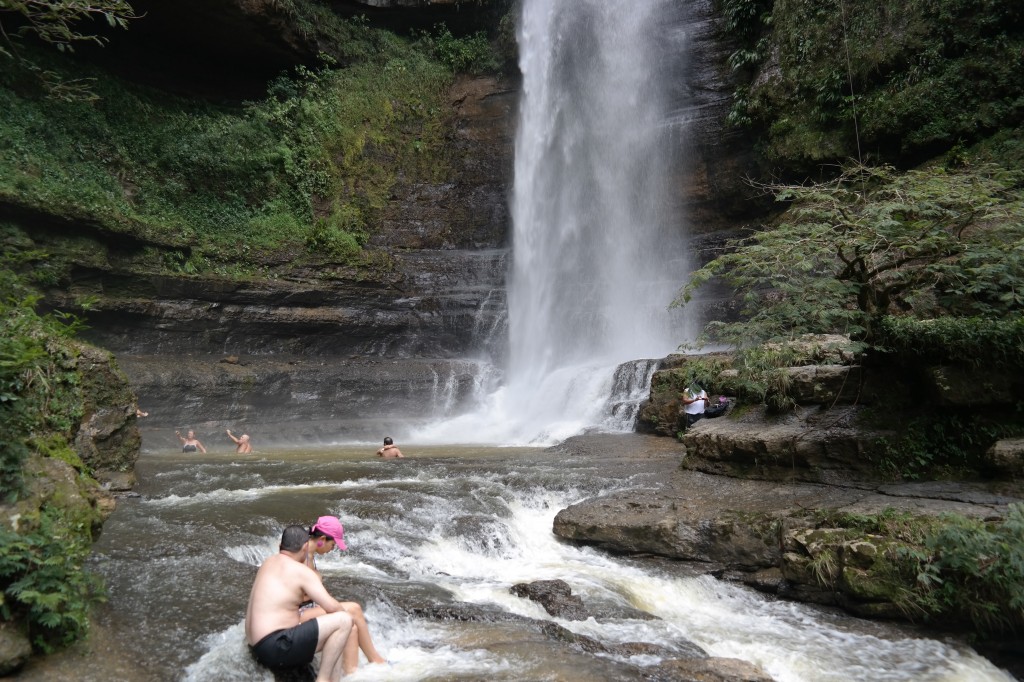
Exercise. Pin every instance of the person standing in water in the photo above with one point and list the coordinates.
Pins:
(191, 443)
(390, 450)
(273, 632)
(326, 534)
(244, 446)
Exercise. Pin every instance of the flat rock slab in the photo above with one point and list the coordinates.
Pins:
(695, 516)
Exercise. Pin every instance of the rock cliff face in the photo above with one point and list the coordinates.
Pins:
(332, 352)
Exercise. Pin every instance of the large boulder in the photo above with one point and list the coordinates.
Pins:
(15, 649)
(107, 439)
(555, 596)
(1006, 456)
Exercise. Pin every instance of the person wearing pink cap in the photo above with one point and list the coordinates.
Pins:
(276, 637)
(326, 534)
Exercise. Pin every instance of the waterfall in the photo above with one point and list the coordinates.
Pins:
(598, 248)
(631, 384)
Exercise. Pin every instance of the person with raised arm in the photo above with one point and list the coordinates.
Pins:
(191, 443)
(244, 446)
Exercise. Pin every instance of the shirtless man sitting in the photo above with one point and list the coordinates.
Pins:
(272, 629)
(244, 446)
(390, 450)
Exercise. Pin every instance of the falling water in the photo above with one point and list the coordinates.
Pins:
(597, 246)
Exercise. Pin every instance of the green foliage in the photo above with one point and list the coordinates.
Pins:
(42, 580)
(841, 76)
(891, 523)
(873, 243)
(207, 179)
(949, 569)
(332, 239)
(745, 22)
(762, 376)
(971, 341)
(974, 570)
(467, 54)
(39, 388)
(936, 444)
(57, 23)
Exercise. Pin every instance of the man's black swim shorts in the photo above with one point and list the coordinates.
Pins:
(288, 648)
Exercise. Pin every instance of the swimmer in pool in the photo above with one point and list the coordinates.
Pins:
(190, 444)
(244, 446)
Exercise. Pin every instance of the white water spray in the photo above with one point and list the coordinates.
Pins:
(597, 247)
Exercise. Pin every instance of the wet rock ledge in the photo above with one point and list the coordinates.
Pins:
(784, 538)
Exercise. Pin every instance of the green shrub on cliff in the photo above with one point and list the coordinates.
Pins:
(326, 144)
(42, 581)
(974, 570)
(467, 54)
(825, 80)
(958, 572)
(875, 243)
(37, 394)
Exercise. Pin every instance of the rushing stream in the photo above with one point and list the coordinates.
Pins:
(446, 528)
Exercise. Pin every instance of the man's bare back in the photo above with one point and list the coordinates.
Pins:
(390, 450)
(275, 597)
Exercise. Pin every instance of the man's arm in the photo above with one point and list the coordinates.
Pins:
(232, 437)
(314, 588)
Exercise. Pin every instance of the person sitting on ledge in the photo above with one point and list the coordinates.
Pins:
(390, 450)
(326, 534)
(275, 636)
(694, 400)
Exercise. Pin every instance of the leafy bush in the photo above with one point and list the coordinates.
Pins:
(468, 54)
(974, 570)
(972, 341)
(41, 405)
(38, 391)
(935, 444)
(43, 582)
(191, 174)
(851, 79)
(875, 243)
(960, 572)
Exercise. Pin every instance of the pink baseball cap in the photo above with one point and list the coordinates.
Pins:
(331, 527)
